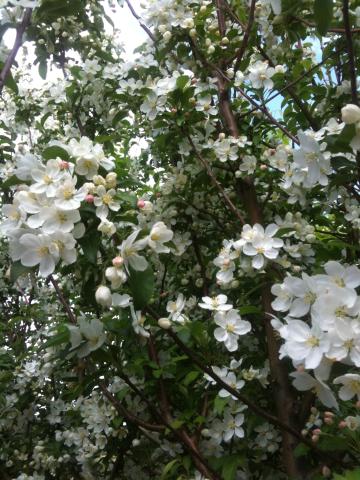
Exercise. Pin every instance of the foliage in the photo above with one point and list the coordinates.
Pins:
(180, 241)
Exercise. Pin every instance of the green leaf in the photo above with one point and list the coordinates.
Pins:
(248, 310)
(230, 467)
(349, 475)
(43, 69)
(17, 269)
(190, 377)
(62, 336)
(10, 82)
(168, 467)
(323, 13)
(90, 245)
(301, 450)
(10, 182)
(141, 286)
(53, 152)
(182, 81)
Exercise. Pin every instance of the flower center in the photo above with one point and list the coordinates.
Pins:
(313, 341)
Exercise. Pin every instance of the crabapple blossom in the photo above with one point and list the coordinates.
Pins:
(231, 326)
(350, 386)
(217, 303)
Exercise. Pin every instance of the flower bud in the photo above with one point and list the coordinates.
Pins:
(117, 261)
(342, 424)
(211, 49)
(99, 180)
(64, 165)
(329, 414)
(103, 296)
(164, 323)
(315, 438)
(317, 431)
(350, 114)
(89, 198)
(111, 180)
(328, 420)
(167, 35)
(141, 203)
(326, 472)
(230, 72)
(222, 136)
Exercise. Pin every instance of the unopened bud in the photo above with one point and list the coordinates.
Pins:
(342, 424)
(141, 203)
(317, 431)
(103, 296)
(326, 472)
(164, 323)
(117, 261)
(315, 438)
(328, 420)
(329, 414)
(167, 35)
(64, 165)
(89, 198)
(350, 114)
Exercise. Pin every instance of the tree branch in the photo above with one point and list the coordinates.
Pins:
(217, 183)
(350, 49)
(138, 18)
(17, 44)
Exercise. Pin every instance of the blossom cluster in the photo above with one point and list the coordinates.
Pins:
(321, 326)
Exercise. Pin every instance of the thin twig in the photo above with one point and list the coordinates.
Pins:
(127, 415)
(217, 183)
(350, 49)
(17, 44)
(63, 301)
(138, 18)
(239, 55)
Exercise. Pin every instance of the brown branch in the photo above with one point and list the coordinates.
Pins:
(217, 183)
(127, 415)
(294, 82)
(332, 30)
(25, 22)
(303, 109)
(239, 55)
(251, 405)
(351, 53)
(138, 18)
(188, 443)
(62, 299)
(163, 400)
(221, 17)
(200, 260)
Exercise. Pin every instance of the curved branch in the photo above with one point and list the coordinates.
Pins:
(25, 22)
(350, 49)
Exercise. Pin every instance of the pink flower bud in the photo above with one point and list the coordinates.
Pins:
(317, 431)
(117, 261)
(141, 203)
(89, 198)
(64, 165)
(342, 424)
